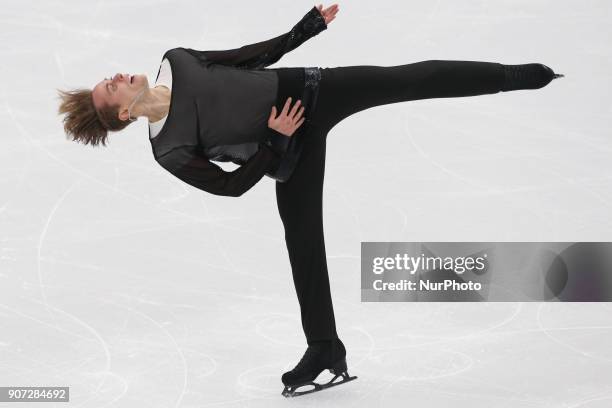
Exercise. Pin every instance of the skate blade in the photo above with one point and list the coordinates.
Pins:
(291, 390)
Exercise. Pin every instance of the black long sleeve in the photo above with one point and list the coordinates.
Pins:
(190, 165)
(264, 53)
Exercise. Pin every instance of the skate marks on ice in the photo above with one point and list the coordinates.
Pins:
(584, 331)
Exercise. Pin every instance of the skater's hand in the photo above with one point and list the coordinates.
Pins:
(287, 122)
(329, 13)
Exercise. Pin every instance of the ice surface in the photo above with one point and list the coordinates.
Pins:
(137, 290)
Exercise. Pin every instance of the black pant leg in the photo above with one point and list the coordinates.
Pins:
(344, 91)
(300, 205)
(350, 89)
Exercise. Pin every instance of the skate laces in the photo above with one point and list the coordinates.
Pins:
(515, 74)
(526, 76)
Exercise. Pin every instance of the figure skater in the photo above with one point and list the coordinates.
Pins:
(227, 106)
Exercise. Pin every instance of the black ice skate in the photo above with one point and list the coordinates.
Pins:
(527, 76)
(319, 356)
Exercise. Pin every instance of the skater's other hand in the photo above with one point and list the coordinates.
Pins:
(329, 13)
(287, 122)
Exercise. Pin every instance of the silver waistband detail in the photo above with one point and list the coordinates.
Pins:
(312, 76)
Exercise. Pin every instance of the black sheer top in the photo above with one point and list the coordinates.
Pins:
(185, 153)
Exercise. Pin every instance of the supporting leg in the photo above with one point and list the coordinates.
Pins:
(300, 205)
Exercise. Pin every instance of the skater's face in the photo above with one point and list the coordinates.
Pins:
(119, 90)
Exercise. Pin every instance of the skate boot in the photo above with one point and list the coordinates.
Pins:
(319, 356)
(527, 76)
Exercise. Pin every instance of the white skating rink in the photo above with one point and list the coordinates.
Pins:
(137, 290)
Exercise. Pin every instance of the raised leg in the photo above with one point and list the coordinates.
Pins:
(350, 89)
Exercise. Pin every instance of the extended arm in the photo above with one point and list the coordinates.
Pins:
(262, 54)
